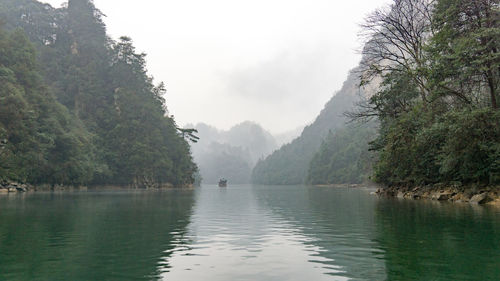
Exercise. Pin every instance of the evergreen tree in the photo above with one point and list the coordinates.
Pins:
(109, 124)
(43, 144)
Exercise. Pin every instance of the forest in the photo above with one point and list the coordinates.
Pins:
(79, 108)
(438, 101)
(426, 111)
(421, 108)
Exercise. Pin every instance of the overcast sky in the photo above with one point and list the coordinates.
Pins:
(276, 62)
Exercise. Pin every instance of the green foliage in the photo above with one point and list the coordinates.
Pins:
(454, 136)
(440, 69)
(43, 144)
(458, 146)
(464, 60)
(343, 157)
(471, 150)
(109, 124)
(406, 156)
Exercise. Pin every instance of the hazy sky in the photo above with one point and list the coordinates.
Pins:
(276, 62)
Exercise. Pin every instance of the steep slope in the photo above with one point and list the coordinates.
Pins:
(290, 164)
(344, 156)
(40, 142)
(104, 85)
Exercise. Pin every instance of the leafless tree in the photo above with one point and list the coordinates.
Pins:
(395, 37)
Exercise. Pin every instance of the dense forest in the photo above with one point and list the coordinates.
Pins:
(433, 115)
(344, 156)
(231, 154)
(78, 107)
(438, 102)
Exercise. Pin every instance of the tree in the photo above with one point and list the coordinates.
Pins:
(343, 157)
(109, 124)
(189, 134)
(41, 143)
(436, 105)
(465, 61)
(395, 41)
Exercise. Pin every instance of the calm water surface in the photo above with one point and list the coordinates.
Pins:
(244, 233)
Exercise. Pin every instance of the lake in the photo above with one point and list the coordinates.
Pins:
(244, 232)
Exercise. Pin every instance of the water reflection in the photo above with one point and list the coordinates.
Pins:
(439, 241)
(244, 233)
(301, 233)
(233, 236)
(280, 233)
(90, 235)
(339, 224)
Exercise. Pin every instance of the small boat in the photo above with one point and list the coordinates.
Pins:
(222, 182)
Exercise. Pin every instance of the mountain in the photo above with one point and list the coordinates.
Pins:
(232, 153)
(78, 107)
(290, 164)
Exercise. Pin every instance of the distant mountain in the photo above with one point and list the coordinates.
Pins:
(290, 164)
(252, 137)
(233, 153)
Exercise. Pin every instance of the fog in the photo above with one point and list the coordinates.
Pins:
(225, 61)
(231, 154)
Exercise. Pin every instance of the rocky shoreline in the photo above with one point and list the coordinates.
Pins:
(9, 187)
(472, 195)
(15, 187)
(341, 185)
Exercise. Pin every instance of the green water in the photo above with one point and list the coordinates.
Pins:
(244, 233)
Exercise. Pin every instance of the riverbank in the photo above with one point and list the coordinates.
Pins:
(10, 187)
(469, 194)
(15, 187)
(341, 185)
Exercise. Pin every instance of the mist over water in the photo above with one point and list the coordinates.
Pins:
(232, 154)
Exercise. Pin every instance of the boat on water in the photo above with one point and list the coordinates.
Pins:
(222, 182)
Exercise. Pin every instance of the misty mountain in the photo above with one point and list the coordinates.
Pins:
(79, 108)
(233, 153)
(290, 164)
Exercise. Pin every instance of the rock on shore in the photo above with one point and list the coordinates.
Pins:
(472, 195)
(7, 187)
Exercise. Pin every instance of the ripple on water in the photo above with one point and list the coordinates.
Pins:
(244, 233)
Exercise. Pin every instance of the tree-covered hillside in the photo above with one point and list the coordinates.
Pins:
(437, 67)
(343, 157)
(78, 107)
(290, 164)
(40, 141)
(438, 103)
